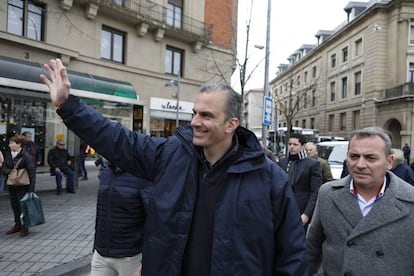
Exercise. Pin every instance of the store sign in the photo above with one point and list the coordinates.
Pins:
(170, 105)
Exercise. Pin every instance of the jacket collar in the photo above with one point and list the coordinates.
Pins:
(389, 208)
(252, 151)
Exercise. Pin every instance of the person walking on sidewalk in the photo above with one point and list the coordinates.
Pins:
(34, 150)
(407, 152)
(362, 223)
(305, 176)
(219, 206)
(83, 152)
(59, 161)
(19, 159)
(120, 217)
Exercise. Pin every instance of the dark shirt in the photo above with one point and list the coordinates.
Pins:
(210, 187)
(58, 158)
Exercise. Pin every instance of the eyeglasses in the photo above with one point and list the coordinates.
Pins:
(61, 144)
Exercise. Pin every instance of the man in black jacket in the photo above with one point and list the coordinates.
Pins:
(218, 206)
(305, 176)
(59, 161)
(120, 217)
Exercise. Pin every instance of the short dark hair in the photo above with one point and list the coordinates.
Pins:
(298, 136)
(233, 99)
(18, 139)
(27, 133)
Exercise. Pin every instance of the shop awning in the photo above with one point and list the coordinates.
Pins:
(24, 71)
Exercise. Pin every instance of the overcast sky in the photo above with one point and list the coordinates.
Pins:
(293, 23)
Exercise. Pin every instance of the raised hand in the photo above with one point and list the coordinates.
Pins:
(59, 85)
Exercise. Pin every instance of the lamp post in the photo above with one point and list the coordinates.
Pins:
(176, 84)
(266, 76)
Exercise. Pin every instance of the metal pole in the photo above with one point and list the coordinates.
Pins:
(177, 121)
(266, 76)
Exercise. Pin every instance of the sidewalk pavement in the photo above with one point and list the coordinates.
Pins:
(61, 246)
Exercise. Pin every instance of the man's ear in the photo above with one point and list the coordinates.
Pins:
(232, 124)
(390, 162)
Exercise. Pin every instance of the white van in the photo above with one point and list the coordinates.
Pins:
(335, 153)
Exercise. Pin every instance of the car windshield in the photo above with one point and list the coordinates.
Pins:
(334, 154)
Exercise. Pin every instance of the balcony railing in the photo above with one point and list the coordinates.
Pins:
(152, 12)
(399, 91)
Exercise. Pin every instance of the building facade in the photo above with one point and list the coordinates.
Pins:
(359, 75)
(253, 110)
(138, 62)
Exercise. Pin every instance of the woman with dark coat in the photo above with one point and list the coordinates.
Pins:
(23, 159)
(400, 168)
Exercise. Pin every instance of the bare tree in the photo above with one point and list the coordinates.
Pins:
(291, 103)
(241, 61)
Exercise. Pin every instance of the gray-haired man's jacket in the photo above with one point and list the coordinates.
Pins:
(381, 243)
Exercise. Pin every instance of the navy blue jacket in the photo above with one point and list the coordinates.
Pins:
(257, 230)
(404, 172)
(120, 214)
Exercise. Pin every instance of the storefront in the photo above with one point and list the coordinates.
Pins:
(164, 115)
(25, 103)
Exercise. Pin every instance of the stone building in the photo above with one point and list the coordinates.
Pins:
(360, 74)
(130, 59)
(253, 110)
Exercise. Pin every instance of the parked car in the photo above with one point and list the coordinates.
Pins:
(335, 153)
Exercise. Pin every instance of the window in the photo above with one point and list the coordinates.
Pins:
(411, 34)
(304, 123)
(298, 80)
(305, 100)
(358, 47)
(357, 83)
(345, 54)
(313, 71)
(355, 119)
(25, 18)
(174, 61)
(333, 61)
(313, 97)
(411, 72)
(174, 13)
(343, 121)
(344, 87)
(305, 76)
(332, 90)
(312, 123)
(331, 121)
(112, 44)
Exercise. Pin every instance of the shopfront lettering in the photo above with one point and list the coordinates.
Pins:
(171, 106)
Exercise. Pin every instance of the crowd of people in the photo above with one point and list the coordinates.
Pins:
(208, 200)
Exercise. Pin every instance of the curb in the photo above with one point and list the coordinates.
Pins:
(78, 267)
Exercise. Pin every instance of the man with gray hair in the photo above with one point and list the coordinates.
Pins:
(312, 151)
(218, 206)
(361, 221)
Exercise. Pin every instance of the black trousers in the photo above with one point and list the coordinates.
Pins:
(16, 193)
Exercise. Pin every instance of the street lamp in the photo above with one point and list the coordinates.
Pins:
(176, 84)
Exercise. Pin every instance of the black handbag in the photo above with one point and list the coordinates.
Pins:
(31, 210)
